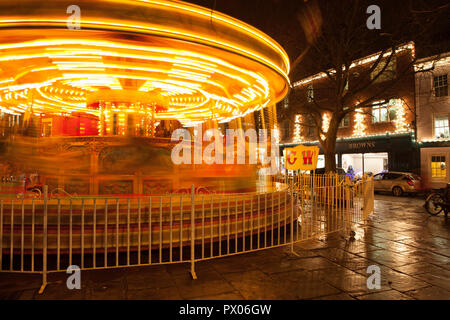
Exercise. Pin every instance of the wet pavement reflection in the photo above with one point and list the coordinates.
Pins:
(410, 247)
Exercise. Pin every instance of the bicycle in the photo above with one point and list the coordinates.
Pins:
(437, 201)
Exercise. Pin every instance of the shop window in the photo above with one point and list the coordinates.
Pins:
(385, 164)
(384, 113)
(440, 85)
(441, 129)
(438, 167)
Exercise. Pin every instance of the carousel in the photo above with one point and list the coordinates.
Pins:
(90, 95)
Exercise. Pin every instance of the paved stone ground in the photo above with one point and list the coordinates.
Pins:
(411, 248)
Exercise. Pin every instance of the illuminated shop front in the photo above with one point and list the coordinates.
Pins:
(362, 144)
(393, 152)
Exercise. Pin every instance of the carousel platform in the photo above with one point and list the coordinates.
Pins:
(108, 224)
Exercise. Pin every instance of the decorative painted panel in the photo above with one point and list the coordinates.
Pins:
(116, 187)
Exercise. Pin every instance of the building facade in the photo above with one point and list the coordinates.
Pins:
(371, 139)
(433, 112)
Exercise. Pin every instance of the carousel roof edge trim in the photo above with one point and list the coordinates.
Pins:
(48, 14)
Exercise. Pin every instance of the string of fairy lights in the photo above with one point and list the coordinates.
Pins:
(360, 118)
(361, 123)
(189, 93)
(188, 99)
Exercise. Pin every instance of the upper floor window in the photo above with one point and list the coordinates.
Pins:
(384, 113)
(286, 129)
(310, 93)
(440, 85)
(345, 121)
(388, 73)
(286, 103)
(441, 129)
(310, 127)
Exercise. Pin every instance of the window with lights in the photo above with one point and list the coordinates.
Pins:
(438, 167)
(346, 120)
(441, 128)
(440, 86)
(383, 113)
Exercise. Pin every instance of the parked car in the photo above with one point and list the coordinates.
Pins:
(359, 175)
(397, 182)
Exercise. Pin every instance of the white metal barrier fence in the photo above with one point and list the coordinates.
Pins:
(50, 234)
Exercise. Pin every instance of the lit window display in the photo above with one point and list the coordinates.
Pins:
(438, 167)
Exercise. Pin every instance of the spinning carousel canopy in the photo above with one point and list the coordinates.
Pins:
(197, 63)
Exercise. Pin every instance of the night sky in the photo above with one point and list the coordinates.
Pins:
(278, 19)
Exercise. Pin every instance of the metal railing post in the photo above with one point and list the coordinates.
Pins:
(44, 245)
(292, 217)
(348, 208)
(193, 274)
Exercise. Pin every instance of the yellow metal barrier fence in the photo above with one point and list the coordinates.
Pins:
(49, 234)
